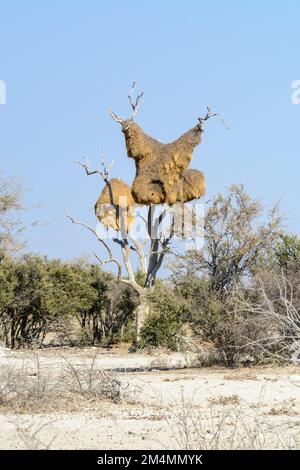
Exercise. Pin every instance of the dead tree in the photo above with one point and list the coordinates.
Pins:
(162, 177)
(149, 264)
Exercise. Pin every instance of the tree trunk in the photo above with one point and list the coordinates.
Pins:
(141, 313)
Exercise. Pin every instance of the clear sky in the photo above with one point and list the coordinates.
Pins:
(65, 62)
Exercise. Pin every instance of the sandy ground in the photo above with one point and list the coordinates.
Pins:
(166, 404)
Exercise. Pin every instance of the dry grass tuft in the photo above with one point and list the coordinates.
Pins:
(225, 400)
(31, 388)
(286, 407)
(234, 428)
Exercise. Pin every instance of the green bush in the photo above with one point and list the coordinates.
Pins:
(39, 296)
(164, 320)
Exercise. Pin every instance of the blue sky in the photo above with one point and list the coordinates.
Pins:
(64, 63)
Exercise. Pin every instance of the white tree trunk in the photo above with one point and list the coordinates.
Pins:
(141, 313)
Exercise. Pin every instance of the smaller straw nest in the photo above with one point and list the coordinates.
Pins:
(119, 193)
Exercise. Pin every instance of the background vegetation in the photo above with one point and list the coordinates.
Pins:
(239, 296)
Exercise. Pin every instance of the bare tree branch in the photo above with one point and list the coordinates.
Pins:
(141, 254)
(131, 281)
(134, 105)
(100, 239)
(157, 254)
(209, 115)
(104, 173)
(123, 243)
(111, 260)
(116, 118)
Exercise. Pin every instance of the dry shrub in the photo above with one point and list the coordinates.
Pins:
(91, 382)
(234, 427)
(30, 435)
(272, 308)
(32, 387)
(225, 400)
(286, 407)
